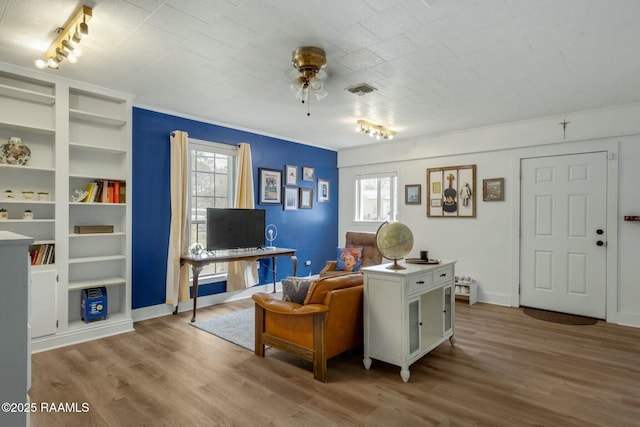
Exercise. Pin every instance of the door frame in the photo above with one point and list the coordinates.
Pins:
(609, 146)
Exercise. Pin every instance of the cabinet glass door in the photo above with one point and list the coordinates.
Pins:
(447, 309)
(414, 326)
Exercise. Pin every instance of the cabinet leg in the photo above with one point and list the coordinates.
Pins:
(404, 374)
(367, 362)
(452, 340)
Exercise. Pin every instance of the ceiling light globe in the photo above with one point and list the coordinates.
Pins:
(72, 58)
(52, 63)
(41, 64)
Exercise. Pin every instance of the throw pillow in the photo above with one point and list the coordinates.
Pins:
(349, 259)
(295, 289)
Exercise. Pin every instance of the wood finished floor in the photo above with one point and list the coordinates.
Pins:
(506, 369)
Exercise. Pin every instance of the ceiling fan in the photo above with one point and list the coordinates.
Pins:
(309, 62)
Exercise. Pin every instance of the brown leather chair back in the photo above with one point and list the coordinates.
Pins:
(367, 240)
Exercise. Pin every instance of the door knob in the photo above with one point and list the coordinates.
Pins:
(599, 231)
(600, 243)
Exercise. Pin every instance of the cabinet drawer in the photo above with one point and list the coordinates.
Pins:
(417, 284)
(442, 275)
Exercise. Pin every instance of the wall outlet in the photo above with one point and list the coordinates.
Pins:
(307, 262)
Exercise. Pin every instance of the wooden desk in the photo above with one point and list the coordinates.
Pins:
(197, 262)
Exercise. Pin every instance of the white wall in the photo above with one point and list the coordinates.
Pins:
(487, 247)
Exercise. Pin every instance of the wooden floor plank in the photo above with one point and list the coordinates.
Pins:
(506, 369)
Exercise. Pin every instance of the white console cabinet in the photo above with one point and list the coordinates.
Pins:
(407, 313)
(15, 355)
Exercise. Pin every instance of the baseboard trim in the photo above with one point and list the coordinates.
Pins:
(159, 310)
(629, 319)
(70, 337)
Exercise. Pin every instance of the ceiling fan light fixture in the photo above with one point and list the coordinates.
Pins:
(309, 61)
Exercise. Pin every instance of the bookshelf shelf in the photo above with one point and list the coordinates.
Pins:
(77, 146)
(24, 127)
(96, 259)
(107, 281)
(98, 235)
(28, 221)
(96, 118)
(27, 95)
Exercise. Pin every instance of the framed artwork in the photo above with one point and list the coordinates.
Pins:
(290, 199)
(413, 194)
(291, 173)
(306, 198)
(451, 192)
(270, 186)
(323, 190)
(308, 174)
(493, 189)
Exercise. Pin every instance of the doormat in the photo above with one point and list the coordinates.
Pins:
(555, 317)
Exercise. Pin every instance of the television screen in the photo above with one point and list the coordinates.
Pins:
(235, 228)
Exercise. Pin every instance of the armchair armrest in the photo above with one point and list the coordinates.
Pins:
(274, 305)
(330, 266)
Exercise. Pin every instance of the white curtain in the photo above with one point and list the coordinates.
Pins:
(177, 284)
(243, 274)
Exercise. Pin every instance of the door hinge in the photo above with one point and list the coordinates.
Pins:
(57, 278)
(57, 323)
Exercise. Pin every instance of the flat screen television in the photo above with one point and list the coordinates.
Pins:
(235, 228)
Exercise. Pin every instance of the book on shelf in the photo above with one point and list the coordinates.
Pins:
(42, 254)
(105, 191)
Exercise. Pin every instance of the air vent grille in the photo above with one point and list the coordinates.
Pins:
(361, 89)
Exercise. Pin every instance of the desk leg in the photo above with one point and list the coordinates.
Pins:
(196, 273)
(274, 273)
(294, 259)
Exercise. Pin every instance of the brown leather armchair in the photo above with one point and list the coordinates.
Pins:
(357, 239)
(326, 325)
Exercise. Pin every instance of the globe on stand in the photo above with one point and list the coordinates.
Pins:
(395, 241)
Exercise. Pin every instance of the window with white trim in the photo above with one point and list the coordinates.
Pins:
(212, 182)
(376, 197)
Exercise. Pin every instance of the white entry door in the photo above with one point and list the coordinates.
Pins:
(563, 236)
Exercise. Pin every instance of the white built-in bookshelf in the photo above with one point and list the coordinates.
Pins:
(78, 134)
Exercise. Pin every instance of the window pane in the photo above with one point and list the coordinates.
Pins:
(205, 161)
(222, 164)
(376, 199)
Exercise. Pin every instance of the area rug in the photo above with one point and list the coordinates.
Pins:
(555, 317)
(236, 327)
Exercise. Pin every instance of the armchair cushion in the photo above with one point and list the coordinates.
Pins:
(349, 259)
(295, 289)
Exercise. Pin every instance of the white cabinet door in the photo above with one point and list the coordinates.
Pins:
(43, 303)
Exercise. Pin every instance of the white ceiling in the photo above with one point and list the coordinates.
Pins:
(438, 65)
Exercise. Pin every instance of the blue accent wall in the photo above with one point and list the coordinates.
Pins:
(312, 232)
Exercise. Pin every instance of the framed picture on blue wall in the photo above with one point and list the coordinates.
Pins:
(291, 175)
(270, 186)
(323, 190)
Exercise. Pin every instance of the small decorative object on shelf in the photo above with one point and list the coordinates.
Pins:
(27, 195)
(43, 196)
(8, 195)
(78, 195)
(27, 214)
(92, 229)
(4, 214)
(14, 152)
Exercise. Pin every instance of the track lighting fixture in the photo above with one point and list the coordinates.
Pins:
(373, 130)
(65, 46)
